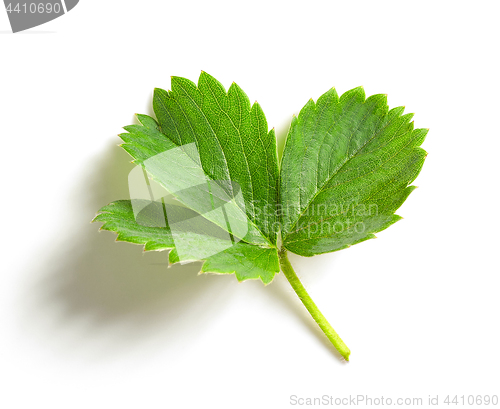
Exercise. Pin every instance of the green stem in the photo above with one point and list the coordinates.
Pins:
(306, 299)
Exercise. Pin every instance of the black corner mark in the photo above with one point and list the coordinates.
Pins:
(24, 15)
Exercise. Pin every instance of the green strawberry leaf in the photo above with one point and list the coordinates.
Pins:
(232, 140)
(346, 168)
(210, 149)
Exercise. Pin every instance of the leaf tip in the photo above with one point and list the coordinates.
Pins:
(267, 281)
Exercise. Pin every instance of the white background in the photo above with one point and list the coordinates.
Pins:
(89, 323)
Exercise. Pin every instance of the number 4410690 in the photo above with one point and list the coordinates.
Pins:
(34, 8)
(471, 400)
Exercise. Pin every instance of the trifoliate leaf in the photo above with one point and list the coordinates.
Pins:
(346, 168)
